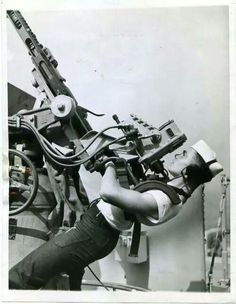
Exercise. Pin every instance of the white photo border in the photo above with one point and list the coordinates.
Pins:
(120, 297)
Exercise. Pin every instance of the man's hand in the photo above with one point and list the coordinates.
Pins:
(109, 184)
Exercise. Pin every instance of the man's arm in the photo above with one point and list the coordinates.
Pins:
(129, 200)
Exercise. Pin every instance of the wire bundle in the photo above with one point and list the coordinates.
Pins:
(55, 155)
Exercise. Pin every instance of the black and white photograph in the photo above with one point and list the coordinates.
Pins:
(117, 152)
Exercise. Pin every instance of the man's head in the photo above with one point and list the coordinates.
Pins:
(198, 162)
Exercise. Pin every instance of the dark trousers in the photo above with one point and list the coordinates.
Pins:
(91, 239)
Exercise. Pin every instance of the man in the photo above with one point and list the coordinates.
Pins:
(195, 166)
(97, 232)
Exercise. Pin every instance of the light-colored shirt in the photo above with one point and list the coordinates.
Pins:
(115, 216)
(165, 210)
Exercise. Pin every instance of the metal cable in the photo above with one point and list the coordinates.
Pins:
(97, 278)
(58, 159)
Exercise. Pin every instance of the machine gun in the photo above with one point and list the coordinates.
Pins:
(63, 139)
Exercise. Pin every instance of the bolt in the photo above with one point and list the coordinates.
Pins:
(35, 83)
(61, 107)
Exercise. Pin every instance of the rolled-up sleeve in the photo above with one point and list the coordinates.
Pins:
(165, 210)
